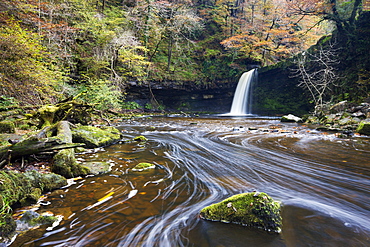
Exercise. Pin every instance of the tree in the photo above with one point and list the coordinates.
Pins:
(342, 13)
(26, 65)
(316, 70)
(167, 29)
(269, 33)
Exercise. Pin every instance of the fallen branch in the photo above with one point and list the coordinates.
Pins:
(34, 145)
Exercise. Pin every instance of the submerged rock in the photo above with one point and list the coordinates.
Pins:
(95, 137)
(98, 167)
(143, 167)
(291, 118)
(255, 209)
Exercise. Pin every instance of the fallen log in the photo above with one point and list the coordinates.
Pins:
(33, 145)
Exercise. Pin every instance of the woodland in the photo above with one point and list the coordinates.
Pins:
(67, 63)
(56, 49)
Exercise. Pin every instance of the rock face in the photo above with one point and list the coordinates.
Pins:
(255, 209)
(95, 137)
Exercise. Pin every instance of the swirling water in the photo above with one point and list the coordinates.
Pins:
(322, 181)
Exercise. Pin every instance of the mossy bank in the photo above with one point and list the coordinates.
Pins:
(21, 189)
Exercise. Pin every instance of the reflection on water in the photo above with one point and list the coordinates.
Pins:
(322, 181)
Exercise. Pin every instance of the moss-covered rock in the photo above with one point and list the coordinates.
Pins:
(7, 127)
(34, 219)
(21, 189)
(7, 225)
(140, 139)
(257, 210)
(364, 128)
(143, 167)
(95, 137)
(65, 164)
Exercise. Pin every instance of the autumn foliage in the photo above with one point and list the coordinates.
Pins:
(55, 48)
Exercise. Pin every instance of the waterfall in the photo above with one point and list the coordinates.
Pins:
(242, 102)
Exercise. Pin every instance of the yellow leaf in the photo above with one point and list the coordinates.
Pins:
(105, 197)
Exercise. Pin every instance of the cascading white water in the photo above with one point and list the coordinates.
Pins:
(242, 102)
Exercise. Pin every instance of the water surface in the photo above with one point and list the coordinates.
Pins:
(322, 181)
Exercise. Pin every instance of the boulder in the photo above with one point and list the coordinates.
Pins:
(64, 162)
(95, 137)
(143, 167)
(254, 209)
(291, 118)
(364, 128)
(140, 139)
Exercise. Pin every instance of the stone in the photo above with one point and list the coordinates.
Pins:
(291, 118)
(140, 139)
(345, 121)
(143, 167)
(95, 137)
(97, 167)
(364, 128)
(254, 209)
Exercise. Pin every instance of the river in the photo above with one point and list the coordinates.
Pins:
(322, 181)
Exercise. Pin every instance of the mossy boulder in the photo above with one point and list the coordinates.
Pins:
(364, 128)
(95, 137)
(255, 209)
(143, 167)
(21, 189)
(140, 139)
(7, 127)
(26, 188)
(65, 164)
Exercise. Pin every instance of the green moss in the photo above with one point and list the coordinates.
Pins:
(140, 139)
(364, 128)
(95, 137)
(7, 127)
(254, 209)
(66, 165)
(43, 220)
(20, 189)
(7, 225)
(47, 114)
(34, 219)
(143, 167)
